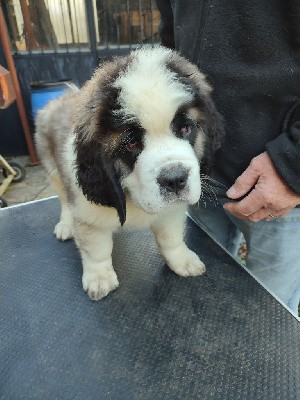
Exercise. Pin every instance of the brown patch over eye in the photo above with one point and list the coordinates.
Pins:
(196, 114)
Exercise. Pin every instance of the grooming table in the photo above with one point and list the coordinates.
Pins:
(157, 337)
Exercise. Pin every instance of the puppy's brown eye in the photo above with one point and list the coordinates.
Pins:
(132, 145)
(133, 141)
(185, 131)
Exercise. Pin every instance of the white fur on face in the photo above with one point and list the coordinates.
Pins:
(163, 152)
(150, 94)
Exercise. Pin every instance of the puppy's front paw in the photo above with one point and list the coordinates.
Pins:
(185, 262)
(63, 231)
(99, 284)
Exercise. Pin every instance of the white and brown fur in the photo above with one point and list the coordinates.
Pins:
(127, 150)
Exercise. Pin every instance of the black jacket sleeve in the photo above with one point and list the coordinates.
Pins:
(285, 149)
(166, 25)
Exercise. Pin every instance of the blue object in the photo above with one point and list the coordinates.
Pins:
(42, 92)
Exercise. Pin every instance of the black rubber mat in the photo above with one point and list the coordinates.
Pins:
(157, 337)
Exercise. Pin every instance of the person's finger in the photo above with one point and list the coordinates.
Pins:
(262, 214)
(244, 182)
(285, 212)
(249, 205)
(277, 214)
(266, 214)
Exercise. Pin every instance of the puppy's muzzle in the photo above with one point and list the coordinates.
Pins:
(173, 178)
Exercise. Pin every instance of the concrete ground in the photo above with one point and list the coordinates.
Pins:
(35, 186)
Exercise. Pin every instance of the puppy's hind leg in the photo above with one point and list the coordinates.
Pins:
(169, 233)
(64, 229)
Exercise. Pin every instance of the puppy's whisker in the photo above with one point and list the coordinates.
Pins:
(213, 181)
(208, 192)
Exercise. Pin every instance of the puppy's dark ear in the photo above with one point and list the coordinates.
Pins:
(98, 178)
(213, 129)
(212, 123)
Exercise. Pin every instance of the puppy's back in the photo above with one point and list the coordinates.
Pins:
(53, 125)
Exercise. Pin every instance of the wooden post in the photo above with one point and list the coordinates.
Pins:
(29, 33)
(4, 38)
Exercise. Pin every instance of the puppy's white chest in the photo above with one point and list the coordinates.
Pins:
(137, 218)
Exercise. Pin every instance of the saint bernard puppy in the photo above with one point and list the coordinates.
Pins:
(127, 150)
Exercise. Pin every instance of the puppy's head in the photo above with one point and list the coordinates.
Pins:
(146, 127)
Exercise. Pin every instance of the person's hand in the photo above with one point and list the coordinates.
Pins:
(270, 196)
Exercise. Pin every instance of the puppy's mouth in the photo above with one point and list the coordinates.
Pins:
(167, 199)
(175, 197)
(176, 185)
(171, 184)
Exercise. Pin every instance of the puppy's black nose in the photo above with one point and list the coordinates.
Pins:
(173, 178)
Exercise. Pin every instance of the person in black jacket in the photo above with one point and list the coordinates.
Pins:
(250, 52)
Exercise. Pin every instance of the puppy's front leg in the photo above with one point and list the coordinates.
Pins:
(99, 277)
(169, 233)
